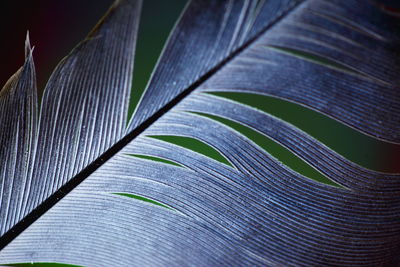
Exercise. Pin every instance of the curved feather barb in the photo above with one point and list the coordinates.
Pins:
(186, 183)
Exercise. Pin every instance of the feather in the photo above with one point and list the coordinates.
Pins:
(83, 112)
(135, 198)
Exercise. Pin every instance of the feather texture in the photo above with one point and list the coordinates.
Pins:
(220, 29)
(337, 57)
(18, 118)
(83, 113)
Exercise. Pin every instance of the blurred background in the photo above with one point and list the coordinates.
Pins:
(55, 27)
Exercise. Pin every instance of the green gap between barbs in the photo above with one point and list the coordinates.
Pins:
(154, 158)
(312, 57)
(281, 153)
(321, 60)
(142, 198)
(156, 22)
(355, 146)
(194, 145)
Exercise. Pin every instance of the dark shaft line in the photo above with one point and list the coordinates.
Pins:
(86, 172)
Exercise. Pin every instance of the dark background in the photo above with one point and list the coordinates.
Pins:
(55, 27)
